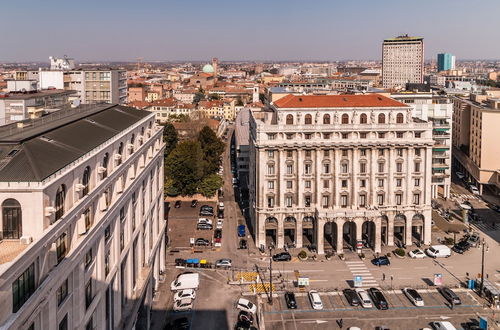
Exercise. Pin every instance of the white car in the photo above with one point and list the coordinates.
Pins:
(246, 305)
(315, 300)
(220, 223)
(417, 254)
(183, 305)
(414, 297)
(205, 220)
(223, 263)
(366, 302)
(474, 190)
(221, 206)
(185, 294)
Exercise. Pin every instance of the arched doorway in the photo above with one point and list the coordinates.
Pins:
(417, 228)
(384, 226)
(290, 231)
(12, 219)
(271, 230)
(308, 231)
(368, 234)
(349, 235)
(400, 229)
(330, 236)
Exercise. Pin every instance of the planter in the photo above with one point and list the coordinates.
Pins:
(399, 253)
(302, 255)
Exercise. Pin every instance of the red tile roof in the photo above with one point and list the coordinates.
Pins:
(336, 101)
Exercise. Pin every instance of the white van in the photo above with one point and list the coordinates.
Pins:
(186, 281)
(443, 325)
(438, 251)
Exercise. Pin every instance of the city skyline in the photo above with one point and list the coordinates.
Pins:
(196, 31)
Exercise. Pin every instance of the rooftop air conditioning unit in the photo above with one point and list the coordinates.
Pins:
(49, 210)
(101, 170)
(26, 240)
(79, 187)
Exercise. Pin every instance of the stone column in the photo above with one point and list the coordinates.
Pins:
(336, 180)
(261, 230)
(300, 182)
(427, 226)
(359, 229)
(378, 235)
(353, 188)
(281, 171)
(280, 233)
(372, 184)
(390, 228)
(317, 179)
(408, 227)
(390, 161)
(340, 232)
(298, 231)
(320, 236)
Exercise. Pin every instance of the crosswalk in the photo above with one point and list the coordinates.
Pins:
(484, 227)
(464, 197)
(358, 268)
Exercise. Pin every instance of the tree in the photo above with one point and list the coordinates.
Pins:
(199, 95)
(212, 148)
(170, 138)
(239, 102)
(183, 168)
(209, 185)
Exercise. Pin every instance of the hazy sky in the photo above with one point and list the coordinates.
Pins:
(243, 30)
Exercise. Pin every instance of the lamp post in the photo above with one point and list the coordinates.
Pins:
(270, 275)
(482, 270)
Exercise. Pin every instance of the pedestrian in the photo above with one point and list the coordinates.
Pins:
(340, 323)
(383, 276)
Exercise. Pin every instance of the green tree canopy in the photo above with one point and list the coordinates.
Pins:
(183, 168)
(212, 148)
(209, 185)
(170, 138)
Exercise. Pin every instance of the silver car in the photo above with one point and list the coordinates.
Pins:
(183, 305)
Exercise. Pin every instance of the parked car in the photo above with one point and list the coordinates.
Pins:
(241, 231)
(217, 242)
(438, 251)
(223, 263)
(245, 316)
(461, 247)
(291, 302)
(218, 233)
(365, 300)
(474, 190)
(220, 223)
(473, 239)
(315, 299)
(460, 175)
(381, 261)
(449, 295)
(194, 202)
(243, 244)
(417, 254)
(206, 213)
(183, 305)
(246, 305)
(221, 206)
(185, 294)
(283, 256)
(178, 204)
(442, 325)
(204, 226)
(202, 242)
(414, 297)
(352, 297)
(178, 324)
(205, 220)
(220, 214)
(243, 325)
(378, 299)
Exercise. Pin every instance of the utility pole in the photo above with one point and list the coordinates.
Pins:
(270, 276)
(482, 271)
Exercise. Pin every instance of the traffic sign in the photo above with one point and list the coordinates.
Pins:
(358, 281)
(438, 279)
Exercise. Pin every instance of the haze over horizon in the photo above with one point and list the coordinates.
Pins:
(196, 30)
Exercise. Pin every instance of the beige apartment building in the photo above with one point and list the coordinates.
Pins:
(402, 61)
(339, 171)
(82, 224)
(476, 122)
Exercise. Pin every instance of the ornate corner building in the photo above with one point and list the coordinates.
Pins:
(336, 171)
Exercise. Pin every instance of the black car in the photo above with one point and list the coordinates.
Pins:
(194, 202)
(220, 214)
(351, 296)
(461, 247)
(291, 302)
(243, 244)
(381, 261)
(218, 233)
(178, 324)
(283, 256)
(245, 316)
(450, 296)
(178, 204)
(378, 298)
(202, 242)
(244, 325)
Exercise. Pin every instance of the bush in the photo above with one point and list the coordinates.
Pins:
(448, 241)
(302, 254)
(400, 252)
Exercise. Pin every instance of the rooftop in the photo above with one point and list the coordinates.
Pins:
(404, 38)
(41, 93)
(336, 101)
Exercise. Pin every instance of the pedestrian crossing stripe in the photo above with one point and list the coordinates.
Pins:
(260, 287)
(246, 276)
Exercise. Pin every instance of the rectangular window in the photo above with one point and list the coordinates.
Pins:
(417, 182)
(344, 168)
(380, 152)
(381, 167)
(289, 169)
(307, 169)
(88, 219)
(381, 135)
(288, 201)
(61, 247)
(343, 200)
(326, 135)
(362, 200)
(380, 199)
(362, 135)
(345, 136)
(122, 239)
(399, 199)
(107, 233)
(23, 287)
(362, 167)
(326, 168)
(307, 136)
(326, 201)
(270, 153)
(362, 183)
(271, 136)
(88, 258)
(270, 201)
(107, 257)
(418, 135)
(289, 153)
(308, 153)
(289, 136)
(270, 184)
(417, 166)
(307, 201)
(289, 184)
(399, 167)
(307, 184)
(344, 183)
(417, 152)
(326, 153)
(270, 169)
(399, 152)
(88, 293)
(399, 135)
(62, 292)
(362, 152)
(63, 325)
(326, 184)
(416, 199)
(380, 183)
(122, 214)
(399, 182)
(344, 152)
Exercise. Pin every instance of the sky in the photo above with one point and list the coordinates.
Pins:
(260, 30)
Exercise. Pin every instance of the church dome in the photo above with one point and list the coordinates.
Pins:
(208, 68)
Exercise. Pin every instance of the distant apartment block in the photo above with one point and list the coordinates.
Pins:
(402, 61)
(445, 62)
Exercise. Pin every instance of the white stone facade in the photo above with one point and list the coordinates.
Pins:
(97, 255)
(332, 176)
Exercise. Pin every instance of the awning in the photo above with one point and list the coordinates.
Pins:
(441, 129)
(441, 149)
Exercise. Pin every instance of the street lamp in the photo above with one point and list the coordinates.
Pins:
(270, 275)
(482, 270)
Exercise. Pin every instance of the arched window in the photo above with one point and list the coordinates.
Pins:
(12, 219)
(345, 118)
(60, 197)
(289, 119)
(120, 152)
(363, 119)
(308, 119)
(326, 119)
(381, 118)
(399, 118)
(86, 181)
(105, 162)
